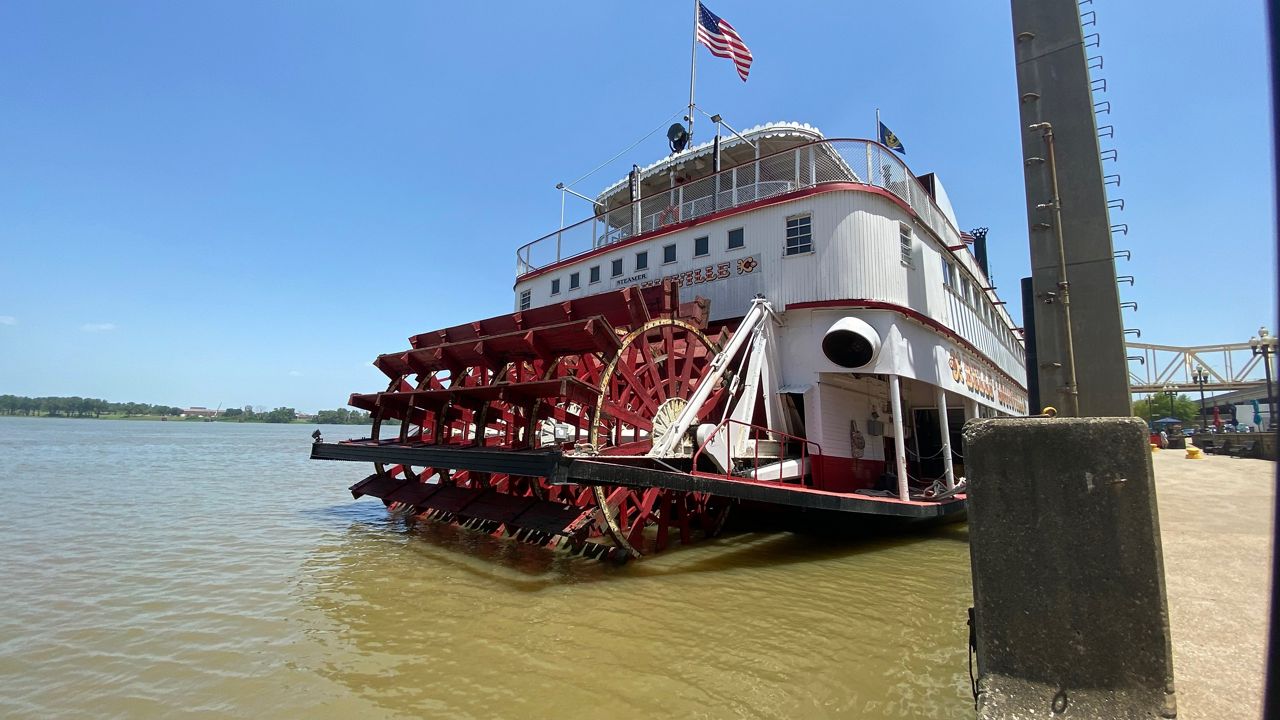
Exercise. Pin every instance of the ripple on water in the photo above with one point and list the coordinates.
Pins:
(165, 569)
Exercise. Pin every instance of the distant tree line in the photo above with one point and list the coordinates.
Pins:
(343, 416)
(78, 407)
(248, 414)
(1181, 407)
(93, 407)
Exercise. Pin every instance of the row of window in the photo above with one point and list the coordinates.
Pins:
(798, 241)
(976, 298)
(701, 248)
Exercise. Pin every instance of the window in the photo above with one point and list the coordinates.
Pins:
(965, 290)
(736, 239)
(595, 274)
(555, 286)
(668, 254)
(904, 239)
(946, 273)
(575, 280)
(701, 246)
(799, 235)
(617, 268)
(526, 299)
(642, 260)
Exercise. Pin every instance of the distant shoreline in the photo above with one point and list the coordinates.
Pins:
(167, 418)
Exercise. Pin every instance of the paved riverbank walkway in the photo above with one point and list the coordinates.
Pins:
(1215, 525)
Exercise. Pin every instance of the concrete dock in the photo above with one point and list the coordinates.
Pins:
(1215, 526)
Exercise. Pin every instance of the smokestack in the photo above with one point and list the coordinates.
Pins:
(980, 251)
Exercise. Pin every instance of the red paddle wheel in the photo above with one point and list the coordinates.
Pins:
(597, 376)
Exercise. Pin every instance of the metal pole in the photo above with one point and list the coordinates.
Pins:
(899, 442)
(944, 424)
(1204, 419)
(1266, 365)
(1072, 390)
(560, 232)
(693, 63)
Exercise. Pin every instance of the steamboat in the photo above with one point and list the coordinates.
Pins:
(773, 319)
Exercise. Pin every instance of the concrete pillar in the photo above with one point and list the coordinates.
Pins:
(944, 425)
(899, 442)
(1070, 613)
(970, 409)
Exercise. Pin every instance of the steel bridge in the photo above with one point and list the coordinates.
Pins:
(1154, 368)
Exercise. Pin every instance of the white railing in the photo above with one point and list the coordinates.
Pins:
(826, 161)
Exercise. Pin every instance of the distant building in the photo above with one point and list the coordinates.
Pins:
(198, 411)
(306, 416)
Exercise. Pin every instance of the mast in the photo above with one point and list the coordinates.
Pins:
(693, 64)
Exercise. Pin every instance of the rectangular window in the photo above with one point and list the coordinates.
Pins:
(555, 286)
(799, 235)
(526, 299)
(575, 280)
(701, 246)
(668, 254)
(946, 273)
(595, 274)
(736, 239)
(617, 268)
(965, 291)
(642, 260)
(904, 239)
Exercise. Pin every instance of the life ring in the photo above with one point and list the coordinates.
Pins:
(670, 215)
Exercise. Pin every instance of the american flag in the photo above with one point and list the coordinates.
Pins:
(723, 41)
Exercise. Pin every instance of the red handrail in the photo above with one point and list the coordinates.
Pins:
(814, 468)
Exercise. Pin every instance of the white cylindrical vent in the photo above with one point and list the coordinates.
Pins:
(851, 343)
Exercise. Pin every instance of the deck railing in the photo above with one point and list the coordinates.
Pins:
(791, 447)
(825, 161)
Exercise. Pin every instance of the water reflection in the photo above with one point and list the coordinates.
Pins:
(436, 619)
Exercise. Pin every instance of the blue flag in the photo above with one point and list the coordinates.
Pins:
(889, 140)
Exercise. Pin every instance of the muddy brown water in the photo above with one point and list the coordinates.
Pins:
(210, 570)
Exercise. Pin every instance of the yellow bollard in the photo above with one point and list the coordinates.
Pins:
(1155, 447)
(1194, 453)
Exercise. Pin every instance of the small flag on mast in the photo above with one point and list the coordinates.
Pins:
(889, 140)
(723, 41)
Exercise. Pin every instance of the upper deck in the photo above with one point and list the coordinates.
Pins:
(694, 192)
(860, 197)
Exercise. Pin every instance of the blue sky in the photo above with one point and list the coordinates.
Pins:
(244, 202)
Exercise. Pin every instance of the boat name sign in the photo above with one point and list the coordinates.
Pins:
(698, 276)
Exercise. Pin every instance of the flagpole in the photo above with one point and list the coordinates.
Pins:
(693, 64)
(877, 135)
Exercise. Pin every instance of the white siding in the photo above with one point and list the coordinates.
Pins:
(856, 256)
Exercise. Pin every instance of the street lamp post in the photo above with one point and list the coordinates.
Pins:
(1264, 344)
(1172, 392)
(1200, 377)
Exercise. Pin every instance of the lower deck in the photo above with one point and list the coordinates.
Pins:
(634, 472)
